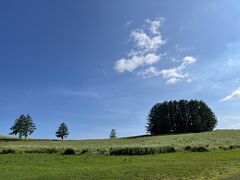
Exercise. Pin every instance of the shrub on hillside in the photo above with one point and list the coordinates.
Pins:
(234, 146)
(8, 151)
(229, 147)
(196, 149)
(69, 151)
(141, 150)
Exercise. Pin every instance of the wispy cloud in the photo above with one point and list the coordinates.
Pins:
(144, 55)
(128, 23)
(234, 96)
(136, 61)
(172, 75)
(155, 25)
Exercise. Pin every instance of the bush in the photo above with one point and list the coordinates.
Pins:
(196, 149)
(8, 151)
(69, 151)
(187, 148)
(141, 150)
(229, 147)
(167, 149)
(234, 146)
(223, 148)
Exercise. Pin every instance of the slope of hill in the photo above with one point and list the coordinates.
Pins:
(211, 140)
(209, 165)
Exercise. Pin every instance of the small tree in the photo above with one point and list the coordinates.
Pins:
(23, 126)
(62, 131)
(113, 133)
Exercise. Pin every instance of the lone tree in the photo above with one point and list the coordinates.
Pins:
(180, 116)
(62, 131)
(23, 126)
(113, 134)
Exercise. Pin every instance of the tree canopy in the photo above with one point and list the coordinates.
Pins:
(113, 133)
(23, 126)
(62, 131)
(180, 116)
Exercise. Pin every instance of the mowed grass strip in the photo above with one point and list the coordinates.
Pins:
(208, 165)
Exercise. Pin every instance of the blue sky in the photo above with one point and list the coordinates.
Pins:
(98, 65)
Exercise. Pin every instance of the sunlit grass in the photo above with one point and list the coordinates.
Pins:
(207, 165)
(211, 140)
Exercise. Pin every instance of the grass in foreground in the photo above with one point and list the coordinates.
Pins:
(207, 165)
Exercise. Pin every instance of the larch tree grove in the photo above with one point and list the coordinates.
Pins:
(180, 116)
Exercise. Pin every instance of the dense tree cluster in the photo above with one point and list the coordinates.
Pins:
(180, 116)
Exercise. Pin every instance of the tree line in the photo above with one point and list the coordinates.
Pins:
(166, 117)
(24, 126)
(180, 116)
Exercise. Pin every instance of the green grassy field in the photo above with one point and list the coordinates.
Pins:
(207, 165)
(217, 163)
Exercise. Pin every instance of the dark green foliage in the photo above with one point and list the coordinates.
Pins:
(8, 151)
(180, 116)
(187, 148)
(234, 146)
(69, 151)
(113, 133)
(62, 131)
(229, 147)
(141, 150)
(23, 126)
(196, 149)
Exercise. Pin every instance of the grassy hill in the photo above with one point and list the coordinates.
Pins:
(211, 140)
(215, 164)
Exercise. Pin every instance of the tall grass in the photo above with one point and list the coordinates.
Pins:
(191, 142)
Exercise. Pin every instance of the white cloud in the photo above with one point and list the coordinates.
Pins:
(172, 81)
(230, 62)
(233, 63)
(144, 55)
(172, 75)
(155, 25)
(149, 72)
(189, 60)
(134, 62)
(145, 42)
(234, 96)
